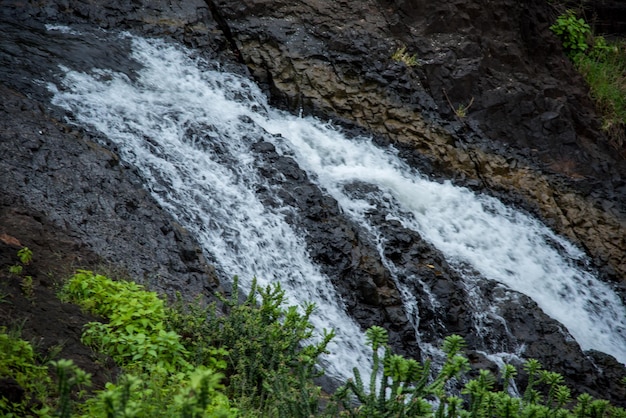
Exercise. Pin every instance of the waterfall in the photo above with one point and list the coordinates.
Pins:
(188, 128)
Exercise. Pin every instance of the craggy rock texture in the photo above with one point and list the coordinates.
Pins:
(365, 285)
(86, 191)
(530, 130)
(529, 136)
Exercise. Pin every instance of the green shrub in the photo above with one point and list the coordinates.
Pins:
(604, 69)
(18, 362)
(156, 393)
(258, 357)
(603, 65)
(404, 385)
(401, 387)
(69, 377)
(573, 31)
(135, 332)
(160, 380)
(270, 361)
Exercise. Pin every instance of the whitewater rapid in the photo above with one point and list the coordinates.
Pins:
(188, 127)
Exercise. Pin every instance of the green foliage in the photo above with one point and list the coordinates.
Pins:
(18, 362)
(262, 347)
(400, 55)
(603, 65)
(69, 378)
(25, 255)
(161, 377)
(404, 385)
(28, 287)
(190, 321)
(16, 269)
(410, 389)
(259, 358)
(604, 69)
(270, 362)
(573, 31)
(196, 394)
(135, 332)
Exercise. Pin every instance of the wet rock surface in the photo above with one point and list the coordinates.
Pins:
(345, 254)
(529, 136)
(86, 191)
(530, 130)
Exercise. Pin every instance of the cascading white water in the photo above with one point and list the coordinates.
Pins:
(501, 243)
(188, 129)
(182, 127)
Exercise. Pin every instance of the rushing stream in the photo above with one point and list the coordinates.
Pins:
(188, 128)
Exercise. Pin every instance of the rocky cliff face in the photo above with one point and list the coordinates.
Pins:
(530, 130)
(492, 104)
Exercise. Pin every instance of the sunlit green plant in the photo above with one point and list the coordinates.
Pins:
(573, 31)
(135, 332)
(401, 55)
(160, 378)
(18, 362)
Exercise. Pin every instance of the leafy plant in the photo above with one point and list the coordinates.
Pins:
(603, 65)
(403, 388)
(403, 384)
(270, 360)
(28, 287)
(258, 356)
(18, 363)
(25, 255)
(69, 377)
(573, 31)
(135, 332)
(196, 394)
(401, 55)
(461, 110)
(160, 380)
(604, 69)
(16, 269)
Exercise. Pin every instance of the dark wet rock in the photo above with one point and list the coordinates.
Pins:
(608, 16)
(492, 318)
(530, 133)
(347, 255)
(530, 137)
(85, 189)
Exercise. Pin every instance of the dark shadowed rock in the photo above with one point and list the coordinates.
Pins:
(84, 189)
(493, 104)
(345, 254)
(530, 132)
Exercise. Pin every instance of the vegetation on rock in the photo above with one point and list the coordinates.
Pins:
(603, 65)
(257, 360)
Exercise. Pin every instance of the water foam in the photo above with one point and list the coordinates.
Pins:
(183, 127)
(188, 129)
